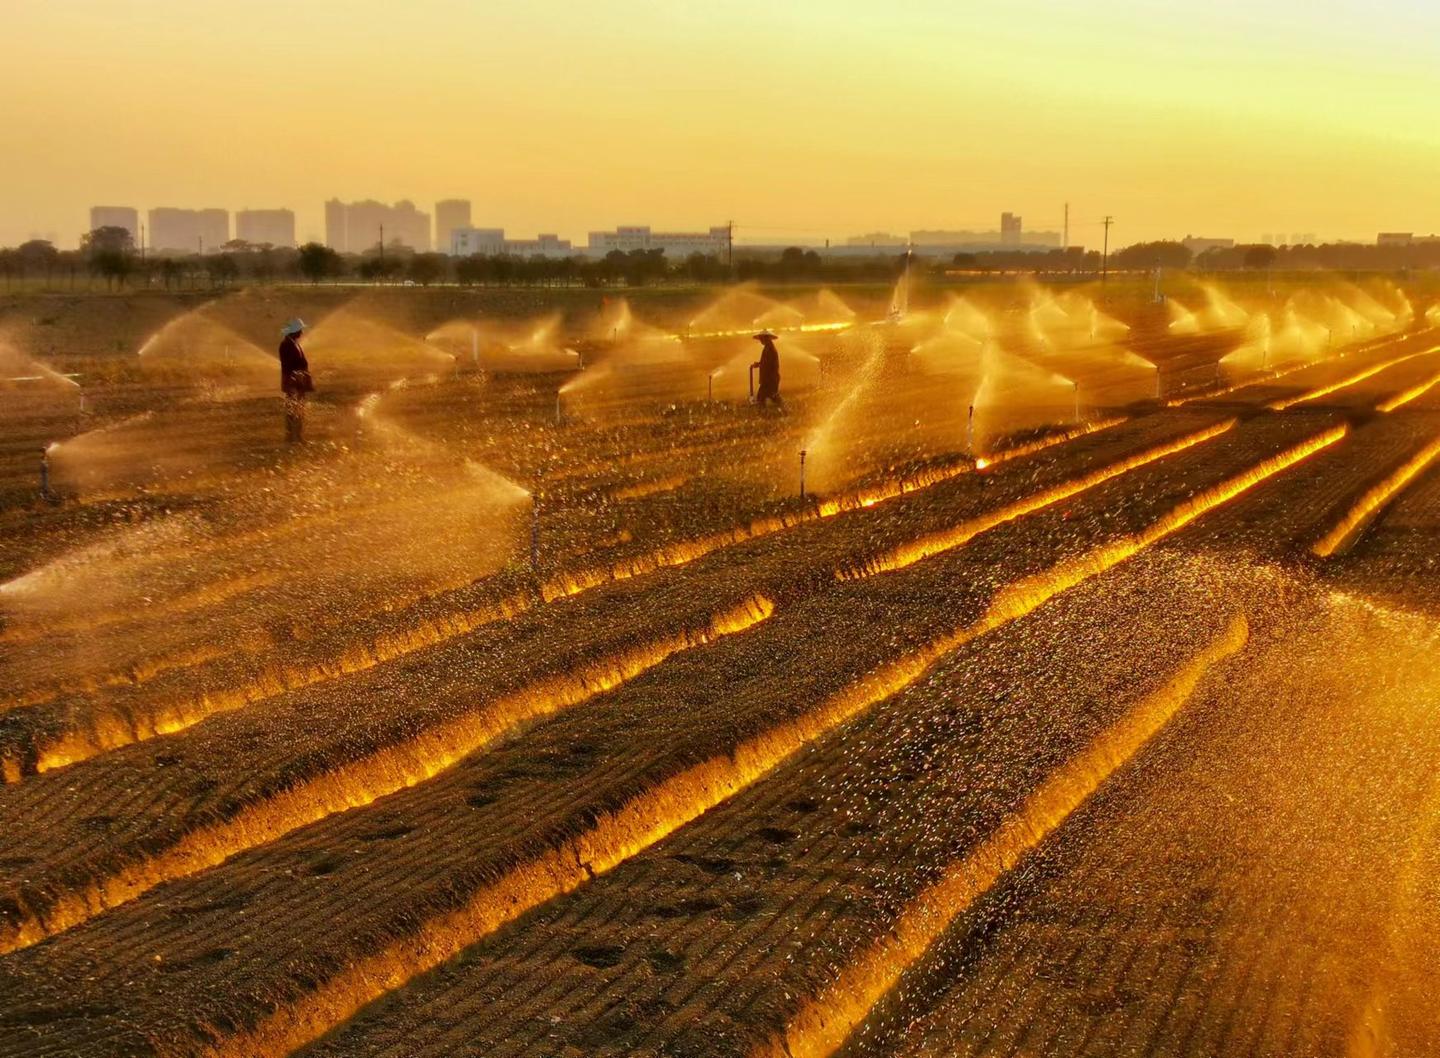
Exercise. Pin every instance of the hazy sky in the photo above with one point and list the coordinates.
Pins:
(796, 118)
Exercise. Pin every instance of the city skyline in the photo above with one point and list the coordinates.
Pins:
(425, 232)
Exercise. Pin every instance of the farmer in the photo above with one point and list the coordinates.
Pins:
(769, 365)
(295, 381)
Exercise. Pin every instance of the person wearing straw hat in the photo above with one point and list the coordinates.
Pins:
(769, 367)
(295, 381)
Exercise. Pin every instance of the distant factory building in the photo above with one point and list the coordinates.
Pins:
(674, 244)
(451, 214)
(116, 217)
(491, 242)
(259, 226)
(1395, 238)
(877, 239)
(188, 230)
(1010, 234)
(941, 242)
(1198, 244)
(355, 227)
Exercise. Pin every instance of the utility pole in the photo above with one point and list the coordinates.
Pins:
(1066, 239)
(1105, 255)
(382, 244)
(730, 245)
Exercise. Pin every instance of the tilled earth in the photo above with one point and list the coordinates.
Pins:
(1096, 748)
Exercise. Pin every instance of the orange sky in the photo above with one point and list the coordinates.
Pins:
(800, 119)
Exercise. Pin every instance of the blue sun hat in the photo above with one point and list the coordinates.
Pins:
(292, 327)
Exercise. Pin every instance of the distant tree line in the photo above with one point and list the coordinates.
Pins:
(109, 254)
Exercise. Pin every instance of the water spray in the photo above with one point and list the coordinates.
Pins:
(802, 473)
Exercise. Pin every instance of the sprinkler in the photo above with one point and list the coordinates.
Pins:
(1157, 381)
(475, 347)
(535, 532)
(45, 493)
(559, 411)
(752, 382)
(709, 389)
(970, 430)
(1077, 400)
(802, 473)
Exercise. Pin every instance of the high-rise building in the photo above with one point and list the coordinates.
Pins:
(188, 230)
(273, 226)
(355, 227)
(1009, 229)
(336, 231)
(450, 214)
(116, 217)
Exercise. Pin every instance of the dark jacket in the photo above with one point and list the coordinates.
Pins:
(769, 368)
(294, 368)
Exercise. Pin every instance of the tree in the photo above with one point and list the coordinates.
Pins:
(1260, 256)
(1147, 255)
(38, 255)
(317, 261)
(425, 268)
(222, 269)
(377, 268)
(263, 264)
(108, 237)
(704, 268)
(170, 271)
(111, 253)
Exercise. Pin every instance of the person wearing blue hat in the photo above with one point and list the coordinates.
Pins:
(295, 381)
